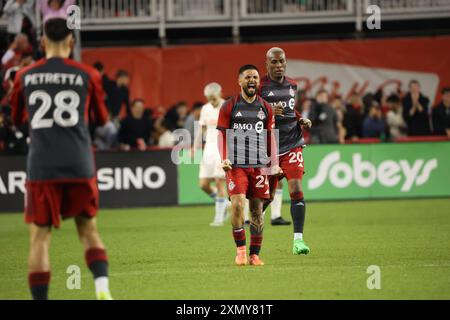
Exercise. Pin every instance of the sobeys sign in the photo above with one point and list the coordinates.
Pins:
(377, 170)
(370, 171)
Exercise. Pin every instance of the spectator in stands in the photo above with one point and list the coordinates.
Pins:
(441, 114)
(106, 136)
(12, 140)
(158, 114)
(339, 107)
(54, 8)
(324, 119)
(106, 82)
(18, 47)
(25, 60)
(135, 129)
(166, 138)
(394, 117)
(176, 116)
(367, 100)
(20, 15)
(305, 108)
(193, 116)
(353, 118)
(3, 129)
(415, 111)
(119, 95)
(374, 125)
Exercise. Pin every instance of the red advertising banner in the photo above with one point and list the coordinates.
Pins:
(163, 76)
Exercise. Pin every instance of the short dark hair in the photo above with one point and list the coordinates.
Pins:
(197, 105)
(56, 29)
(321, 91)
(414, 81)
(445, 90)
(247, 67)
(181, 103)
(122, 73)
(98, 65)
(393, 98)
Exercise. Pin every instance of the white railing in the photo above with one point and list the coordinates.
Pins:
(411, 9)
(397, 6)
(286, 8)
(188, 10)
(118, 11)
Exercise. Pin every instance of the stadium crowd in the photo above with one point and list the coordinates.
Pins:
(134, 125)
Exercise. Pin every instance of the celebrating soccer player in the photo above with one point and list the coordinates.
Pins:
(210, 167)
(280, 92)
(58, 96)
(246, 145)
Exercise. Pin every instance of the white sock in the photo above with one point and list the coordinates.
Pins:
(298, 236)
(101, 284)
(221, 206)
(246, 210)
(275, 206)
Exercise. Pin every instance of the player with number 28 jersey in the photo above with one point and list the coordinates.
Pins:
(57, 97)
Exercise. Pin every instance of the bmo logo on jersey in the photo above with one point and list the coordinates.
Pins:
(259, 126)
(290, 104)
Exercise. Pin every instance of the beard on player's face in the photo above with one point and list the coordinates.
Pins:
(250, 89)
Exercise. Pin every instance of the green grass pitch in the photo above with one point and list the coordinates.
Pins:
(172, 253)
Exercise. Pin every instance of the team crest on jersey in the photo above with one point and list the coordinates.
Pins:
(291, 92)
(261, 114)
(231, 185)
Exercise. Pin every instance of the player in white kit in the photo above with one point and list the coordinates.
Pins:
(211, 171)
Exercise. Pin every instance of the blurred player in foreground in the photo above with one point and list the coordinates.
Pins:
(280, 92)
(210, 167)
(246, 144)
(57, 96)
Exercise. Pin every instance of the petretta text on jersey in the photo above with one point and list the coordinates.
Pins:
(54, 78)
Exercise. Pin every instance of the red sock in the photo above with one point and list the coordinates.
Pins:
(97, 261)
(255, 243)
(38, 282)
(239, 236)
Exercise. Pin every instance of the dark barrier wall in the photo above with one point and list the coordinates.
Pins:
(133, 179)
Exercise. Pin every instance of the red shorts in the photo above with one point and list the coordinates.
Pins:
(292, 165)
(45, 201)
(248, 181)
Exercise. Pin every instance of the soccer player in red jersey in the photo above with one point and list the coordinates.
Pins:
(247, 147)
(280, 91)
(57, 96)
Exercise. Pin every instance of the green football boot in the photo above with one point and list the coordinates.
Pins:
(104, 295)
(300, 247)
